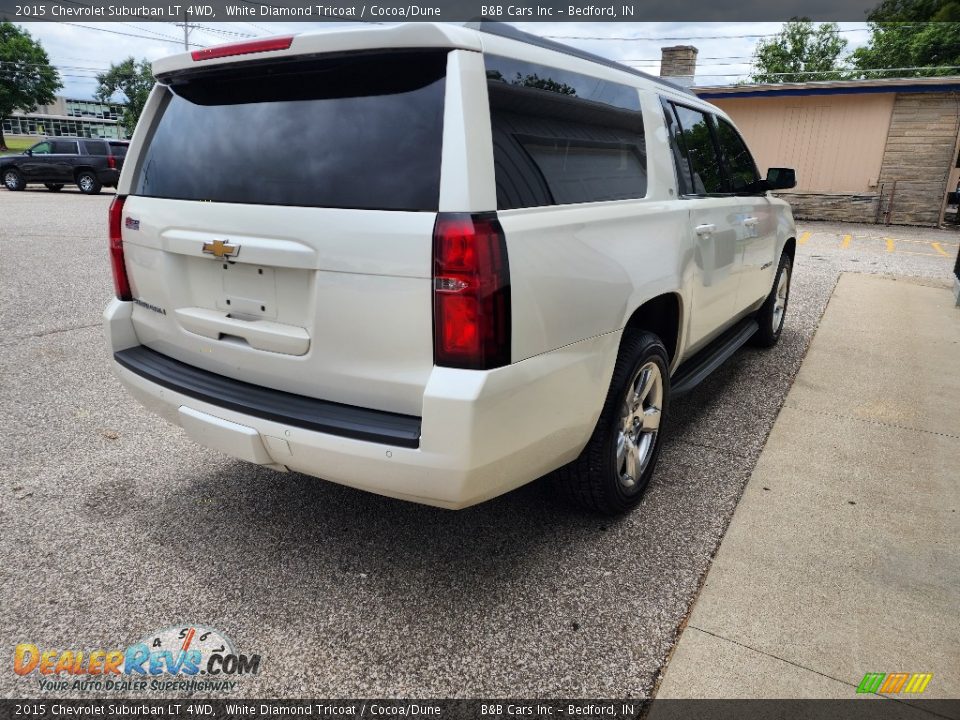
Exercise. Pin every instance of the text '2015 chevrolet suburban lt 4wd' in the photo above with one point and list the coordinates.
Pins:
(436, 262)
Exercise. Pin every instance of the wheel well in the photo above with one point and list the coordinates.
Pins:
(790, 248)
(661, 316)
(79, 170)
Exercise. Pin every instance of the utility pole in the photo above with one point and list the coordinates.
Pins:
(186, 30)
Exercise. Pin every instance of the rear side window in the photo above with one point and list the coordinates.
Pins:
(358, 131)
(118, 149)
(63, 147)
(561, 137)
(95, 148)
(677, 149)
(701, 151)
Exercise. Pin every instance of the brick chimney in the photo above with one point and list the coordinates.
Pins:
(679, 64)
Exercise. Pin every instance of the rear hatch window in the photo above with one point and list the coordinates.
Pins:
(355, 131)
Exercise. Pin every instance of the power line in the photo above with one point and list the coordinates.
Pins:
(723, 57)
(152, 32)
(117, 32)
(141, 29)
(258, 27)
(746, 62)
(229, 33)
(843, 71)
(75, 69)
(53, 65)
(674, 39)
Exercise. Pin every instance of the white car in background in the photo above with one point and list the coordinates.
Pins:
(436, 262)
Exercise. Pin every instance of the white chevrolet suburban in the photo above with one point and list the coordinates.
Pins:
(436, 262)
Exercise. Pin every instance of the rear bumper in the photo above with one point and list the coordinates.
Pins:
(294, 410)
(481, 433)
(108, 177)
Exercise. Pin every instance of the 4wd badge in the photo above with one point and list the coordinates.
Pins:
(221, 249)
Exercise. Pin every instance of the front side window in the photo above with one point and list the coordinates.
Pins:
(741, 171)
(359, 131)
(562, 138)
(697, 136)
(41, 149)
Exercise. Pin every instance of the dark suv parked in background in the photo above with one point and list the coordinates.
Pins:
(90, 163)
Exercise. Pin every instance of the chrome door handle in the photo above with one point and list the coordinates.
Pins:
(704, 230)
(751, 221)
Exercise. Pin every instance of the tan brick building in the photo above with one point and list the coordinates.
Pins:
(864, 151)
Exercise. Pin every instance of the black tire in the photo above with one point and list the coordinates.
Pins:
(88, 183)
(594, 480)
(768, 317)
(54, 187)
(13, 179)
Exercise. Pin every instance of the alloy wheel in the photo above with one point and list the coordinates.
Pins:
(640, 416)
(780, 299)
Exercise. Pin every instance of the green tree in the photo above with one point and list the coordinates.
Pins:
(133, 80)
(535, 81)
(801, 51)
(27, 79)
(911, 34)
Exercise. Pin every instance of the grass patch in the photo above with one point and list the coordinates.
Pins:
(17, 145)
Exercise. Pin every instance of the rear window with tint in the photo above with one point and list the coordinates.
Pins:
(95, 148)
(118, 149)
(358, 131)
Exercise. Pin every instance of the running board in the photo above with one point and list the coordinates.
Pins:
(695, 370)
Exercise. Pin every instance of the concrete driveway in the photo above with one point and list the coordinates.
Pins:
(113, 524)
(843, 556)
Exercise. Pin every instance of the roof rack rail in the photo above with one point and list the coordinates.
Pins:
(492, 27)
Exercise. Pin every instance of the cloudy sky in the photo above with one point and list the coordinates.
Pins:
(79, 50)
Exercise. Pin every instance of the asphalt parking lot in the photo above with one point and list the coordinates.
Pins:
(113, 524)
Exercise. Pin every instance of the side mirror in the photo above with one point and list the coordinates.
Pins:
(781, 178)
(28, 152)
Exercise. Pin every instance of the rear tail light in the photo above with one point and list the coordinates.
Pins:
(471, 295)
(243, 48)
(120, 282)
(111, 162)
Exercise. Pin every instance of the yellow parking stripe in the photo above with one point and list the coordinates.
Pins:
(942, 248)
(942, 243)
(933, 255)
